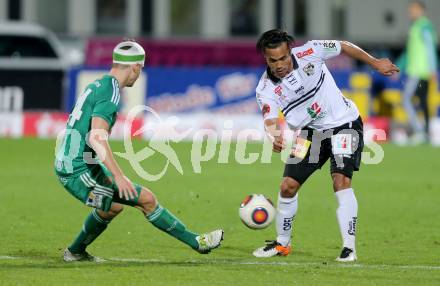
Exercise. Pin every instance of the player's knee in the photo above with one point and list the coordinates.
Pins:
(116, 209)
(340, 182)
(147, 201)
(289, 187)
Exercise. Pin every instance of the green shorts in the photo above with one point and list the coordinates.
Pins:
(96, 188)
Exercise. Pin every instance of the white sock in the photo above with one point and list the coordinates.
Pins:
(286, 212)
(347, 216)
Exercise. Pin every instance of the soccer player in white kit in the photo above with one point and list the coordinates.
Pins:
(298, 83)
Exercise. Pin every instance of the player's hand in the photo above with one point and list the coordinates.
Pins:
(278, 144)
(126, 188)
(385, 67)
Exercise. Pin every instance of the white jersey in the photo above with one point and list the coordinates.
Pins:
(308, 96)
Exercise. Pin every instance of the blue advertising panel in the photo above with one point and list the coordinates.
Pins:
(219, 90)
(226, 90)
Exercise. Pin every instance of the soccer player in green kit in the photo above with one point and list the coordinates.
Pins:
(419, 62)
(101, 184)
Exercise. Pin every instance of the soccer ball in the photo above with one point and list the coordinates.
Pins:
(256, 211)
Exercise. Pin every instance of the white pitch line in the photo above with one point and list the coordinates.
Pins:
(4, 257)
(267, 263)
(281, 263)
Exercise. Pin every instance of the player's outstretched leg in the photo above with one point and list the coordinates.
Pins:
(286, 211)
(347, 216)
(95, 224)
(164, 220)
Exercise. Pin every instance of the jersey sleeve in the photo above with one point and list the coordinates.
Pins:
(268, 106)
(326, 49)
(106, 102)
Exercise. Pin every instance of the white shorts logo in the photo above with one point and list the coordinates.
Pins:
(342, 144)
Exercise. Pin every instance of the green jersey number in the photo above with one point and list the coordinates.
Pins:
(77, 112)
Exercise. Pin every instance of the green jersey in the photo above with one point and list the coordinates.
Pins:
(420, 58)
(99, 99)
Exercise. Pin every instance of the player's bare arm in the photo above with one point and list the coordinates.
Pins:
(99, 142)
(383, 65)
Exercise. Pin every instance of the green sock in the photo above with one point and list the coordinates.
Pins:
(167, 222)
(93, 226)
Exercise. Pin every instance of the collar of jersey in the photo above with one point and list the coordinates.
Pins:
(110, 76)
(277, 80)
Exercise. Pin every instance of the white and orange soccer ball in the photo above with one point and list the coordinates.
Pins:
(257, 211)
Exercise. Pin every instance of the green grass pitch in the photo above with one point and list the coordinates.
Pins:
(398, 239)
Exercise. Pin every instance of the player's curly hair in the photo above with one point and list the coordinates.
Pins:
(272, 39)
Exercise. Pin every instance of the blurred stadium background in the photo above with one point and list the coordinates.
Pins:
(201, 57)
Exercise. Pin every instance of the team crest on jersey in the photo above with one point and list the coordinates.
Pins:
(278, 90)
(309, 69)
(304, 53)
(315, 111)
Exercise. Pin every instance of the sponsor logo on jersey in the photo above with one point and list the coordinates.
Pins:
(278, 90)
(304, 53)
(301, 88)
(309, 69)
(329, 46)
(315, 111)
(265, 110)
(291, 79)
